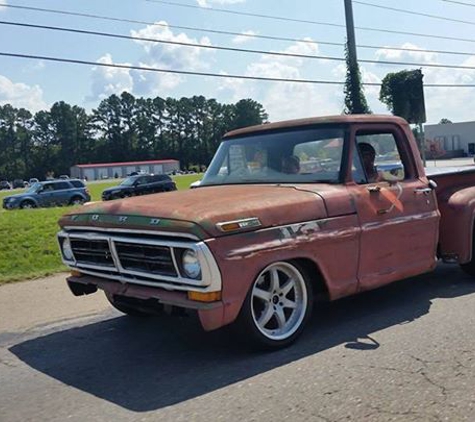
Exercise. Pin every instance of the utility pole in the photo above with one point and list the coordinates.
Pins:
(350, 35)
(355, 101)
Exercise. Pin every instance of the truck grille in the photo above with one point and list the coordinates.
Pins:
(146, 258)
(139, 257)
(92, 252)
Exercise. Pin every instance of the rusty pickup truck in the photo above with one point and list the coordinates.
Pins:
(287, 214)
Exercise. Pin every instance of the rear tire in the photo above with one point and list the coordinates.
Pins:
(277, 306)
(77, 200)
(469, 267)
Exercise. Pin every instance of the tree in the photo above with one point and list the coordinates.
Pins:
(355, 101)
(403, 94)
(122, 128)
(248, 113)
(445, 121)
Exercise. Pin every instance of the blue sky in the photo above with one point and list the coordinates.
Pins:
(36, 84)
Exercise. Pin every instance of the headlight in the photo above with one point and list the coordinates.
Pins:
(67, 250)
(191, 264)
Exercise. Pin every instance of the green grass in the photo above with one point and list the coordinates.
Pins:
(28, 246)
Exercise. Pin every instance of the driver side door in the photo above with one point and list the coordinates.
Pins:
(398, 212)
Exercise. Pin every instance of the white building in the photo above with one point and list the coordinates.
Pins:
(456, 139)
(120, 170)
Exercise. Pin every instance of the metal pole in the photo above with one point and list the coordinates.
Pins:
(350, 34)
(422, 144)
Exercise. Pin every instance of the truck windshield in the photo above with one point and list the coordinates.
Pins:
(291, 156)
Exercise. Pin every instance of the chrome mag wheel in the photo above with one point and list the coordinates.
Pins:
(280, 302)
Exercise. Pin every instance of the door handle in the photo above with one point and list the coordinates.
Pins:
(424, 191)
(374, 189)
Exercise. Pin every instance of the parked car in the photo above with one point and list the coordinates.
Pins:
(33, 180)
(5, 185)
(64, 177)
(140, 185)
(49, 193)
(18, 183)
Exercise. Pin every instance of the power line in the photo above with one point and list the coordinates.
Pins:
(241, 50)
(281, 18)
(268, 37)
(217, 75)
(256, 15)
(460, 2)
(156, 40)
(410, 12)
(180, 72)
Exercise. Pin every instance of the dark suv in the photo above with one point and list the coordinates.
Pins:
(5, 185)
(140, 185)
(49, 193)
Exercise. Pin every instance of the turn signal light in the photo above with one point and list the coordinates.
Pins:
(75, 273)
(204, 297)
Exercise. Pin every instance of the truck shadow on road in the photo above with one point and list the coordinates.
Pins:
(144, 365)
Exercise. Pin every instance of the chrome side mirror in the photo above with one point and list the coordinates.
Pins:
(432, 184)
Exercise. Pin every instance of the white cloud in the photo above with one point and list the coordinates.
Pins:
(287, 100)
(167, 56)
(245, 37)
(108, 80)
(21, 95)
(410, 53)
(208, 3)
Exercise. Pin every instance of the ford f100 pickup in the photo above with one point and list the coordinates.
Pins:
(286, 215)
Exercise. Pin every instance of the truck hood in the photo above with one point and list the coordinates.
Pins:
(198, 211)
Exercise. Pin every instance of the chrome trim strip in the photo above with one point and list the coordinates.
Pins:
(165, 286)
(151, 232)
(175, 263)
(245, 223)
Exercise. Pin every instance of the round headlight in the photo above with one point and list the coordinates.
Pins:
(67, 250)
(191, 264)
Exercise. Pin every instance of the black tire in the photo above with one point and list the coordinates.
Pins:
(77, 200)
(117, 302)
(469, 267)
(27, 204)
(277, 307)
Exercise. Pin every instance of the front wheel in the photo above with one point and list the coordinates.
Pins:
(26, 205)
(277, 306)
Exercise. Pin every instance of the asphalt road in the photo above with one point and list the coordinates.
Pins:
(405, 352)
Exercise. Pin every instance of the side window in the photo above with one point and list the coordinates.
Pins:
(48, 187)
(61, 186)
(377, 158)
(141, 180)
(77, 183)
